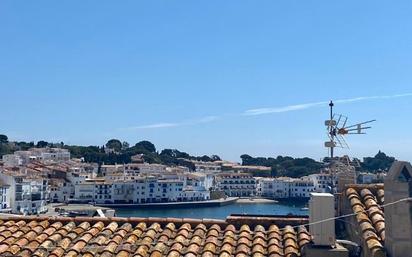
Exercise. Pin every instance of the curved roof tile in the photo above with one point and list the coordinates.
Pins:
(150, 237)
(369, 215)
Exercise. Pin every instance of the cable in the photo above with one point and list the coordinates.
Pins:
(123, 245)
(352, 214)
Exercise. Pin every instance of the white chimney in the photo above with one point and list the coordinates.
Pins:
(321, 218)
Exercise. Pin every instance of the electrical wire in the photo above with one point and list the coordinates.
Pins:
(126, 247)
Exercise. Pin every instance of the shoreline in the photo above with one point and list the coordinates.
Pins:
(208, 203)
(186, 209)
(256, 200)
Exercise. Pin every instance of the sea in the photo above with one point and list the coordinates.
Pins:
(218, 212)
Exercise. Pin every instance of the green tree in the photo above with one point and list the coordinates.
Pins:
(284, 165)
(380, 162)
(215, 158)
(42, 144)
(246, 159)
(205, 158)
(125, 145)
(4, 139)
(146, 145)
(114, 144)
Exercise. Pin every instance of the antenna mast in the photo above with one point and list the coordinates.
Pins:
(337, 129)
(331, 128)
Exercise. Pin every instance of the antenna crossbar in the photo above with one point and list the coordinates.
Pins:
(337, 131)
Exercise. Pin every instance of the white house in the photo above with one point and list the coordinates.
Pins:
(147, 168)
(323, 181)
(27, 194)
(5, 197)
(301, 188)
(60, 190)
(207, 167)
(236, 184)
(138, 190)
(277, 188)
(285, 187)
(12, 160)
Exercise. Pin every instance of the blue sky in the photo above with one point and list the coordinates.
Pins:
(185, 74)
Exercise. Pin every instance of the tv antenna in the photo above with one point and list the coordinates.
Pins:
(337, 130)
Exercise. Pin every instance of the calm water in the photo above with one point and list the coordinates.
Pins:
(217, 212)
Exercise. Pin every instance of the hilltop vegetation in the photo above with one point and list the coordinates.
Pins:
(115, 151)
(380, 162)
(298, 167)
(285, 165)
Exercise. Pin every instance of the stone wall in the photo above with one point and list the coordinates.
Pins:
(398, 216)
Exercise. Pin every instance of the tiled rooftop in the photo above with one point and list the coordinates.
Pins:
(365, 202)
(154, 237)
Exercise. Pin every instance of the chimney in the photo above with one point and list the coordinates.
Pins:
(322, 207)
(398, 216)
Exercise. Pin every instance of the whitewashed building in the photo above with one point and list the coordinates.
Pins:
(137, 190)
(323, 181)
(51, 154)
(19, 158)
(277, 188)
(27, 194)
(60, 190)
(84, 192)
(108, 170)
(285, 187)
(301, 188)
(207, 167)
(369, 178)
(132, 169)
(5, 197)
(236, 184)
(147, 168)
(12, 160)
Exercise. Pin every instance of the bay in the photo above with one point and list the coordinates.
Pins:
(218, 212)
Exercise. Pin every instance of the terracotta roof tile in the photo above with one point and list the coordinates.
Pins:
(151, 237)
(303, 236)
(369, 215)
(110, 249)
(174, 253)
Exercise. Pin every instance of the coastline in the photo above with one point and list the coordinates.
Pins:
(220, 208)
(255, 200)
(208, 203)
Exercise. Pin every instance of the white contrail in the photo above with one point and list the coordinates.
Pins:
(262, 111)
(288, 108)
(205, 119)
(155, 125)
(364, 98)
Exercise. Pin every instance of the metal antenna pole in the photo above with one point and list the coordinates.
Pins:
(331, 129)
